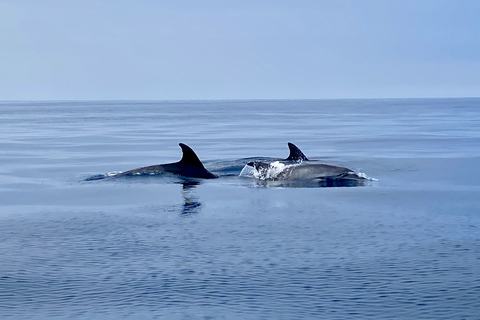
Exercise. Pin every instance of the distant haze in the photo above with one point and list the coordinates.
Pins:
(185, 49)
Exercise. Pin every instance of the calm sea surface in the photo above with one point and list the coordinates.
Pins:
(404, 247)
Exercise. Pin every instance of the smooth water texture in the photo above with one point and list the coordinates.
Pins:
(404, 247)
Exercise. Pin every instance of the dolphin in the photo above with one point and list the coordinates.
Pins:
(298, 167)
(189, 166)
(277, 171)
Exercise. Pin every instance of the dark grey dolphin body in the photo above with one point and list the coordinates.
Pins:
(301, 171)
(298, 167)
(189, 166)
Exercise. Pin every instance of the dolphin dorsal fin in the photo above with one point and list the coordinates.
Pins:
(295, 153)
(189, 156)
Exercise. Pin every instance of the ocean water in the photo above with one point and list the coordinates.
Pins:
(404, 246)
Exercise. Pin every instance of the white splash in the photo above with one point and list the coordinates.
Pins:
(364, 176)
(112, 173)
(247, 171)
(271, 172)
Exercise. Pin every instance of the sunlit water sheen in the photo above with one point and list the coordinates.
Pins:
(404, 247)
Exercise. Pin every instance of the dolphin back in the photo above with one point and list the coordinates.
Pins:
(189, 166)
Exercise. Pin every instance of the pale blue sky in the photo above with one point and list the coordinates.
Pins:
(185, 49)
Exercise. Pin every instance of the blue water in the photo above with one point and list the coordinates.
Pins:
(404, 247)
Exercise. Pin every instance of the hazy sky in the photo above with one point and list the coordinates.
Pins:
(186, 49)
